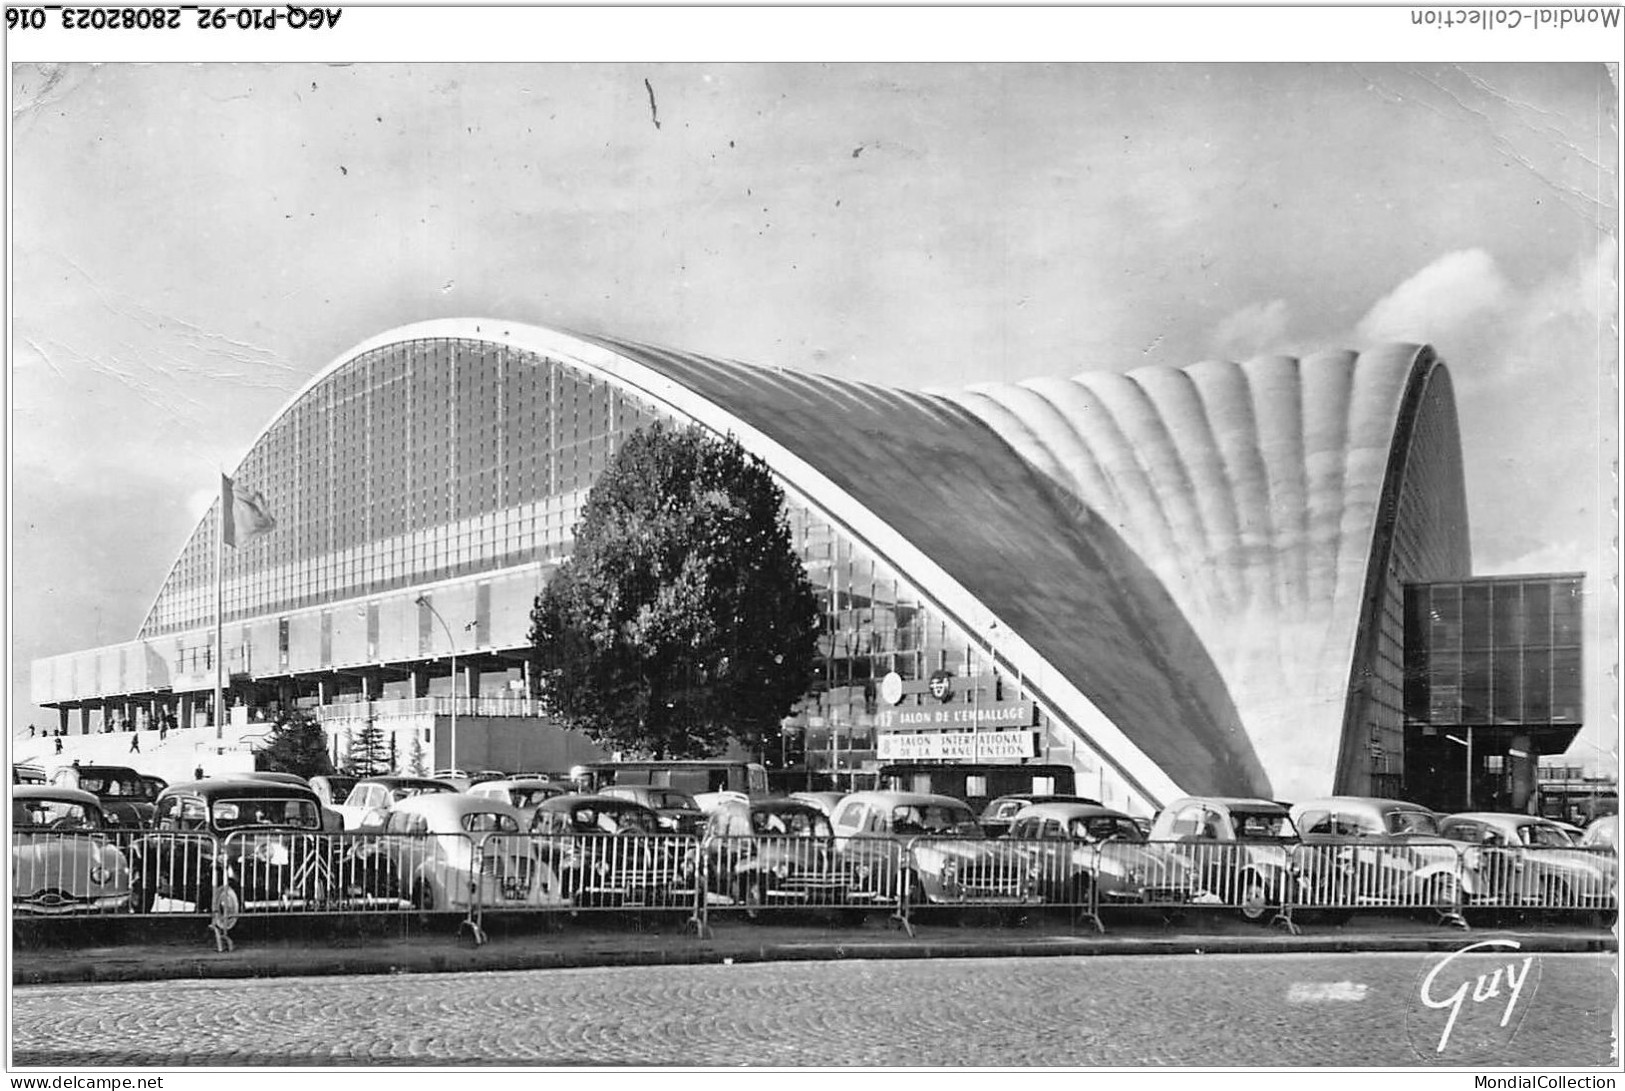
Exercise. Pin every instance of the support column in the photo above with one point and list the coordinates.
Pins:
(62, 719)
(1523, 760)
(420, 682)
(469, 683)
(84, 719)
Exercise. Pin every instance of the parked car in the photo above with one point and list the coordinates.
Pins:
(609, 851)
(1603, 833)
(1087, 851)
(333, 788)
(62, 862)
(1369, 851)
(1242, 851)
(370, 799)
(767, 852)
(999, 813)
(677, 811)
(1527, 860)
(933, 847)
(824, 801)
(23, 772)
(126, 795)
(264, 837)
(525, 794)
(451, 850)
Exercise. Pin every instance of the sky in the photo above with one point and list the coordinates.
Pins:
(192, 243)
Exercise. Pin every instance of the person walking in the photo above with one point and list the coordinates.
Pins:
(135, 742)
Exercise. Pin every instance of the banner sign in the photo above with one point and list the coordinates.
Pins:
(1003, 714)
(957, 746)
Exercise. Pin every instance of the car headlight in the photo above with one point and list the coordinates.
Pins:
(950, 870)
(782, 870)
(861, 871)
(1034, 869)
(99, 875)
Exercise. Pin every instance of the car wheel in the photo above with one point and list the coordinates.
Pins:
(914, 890)
(1556, 901)
(1253, 898)
(1081, 893)
(1444, 894)
(423, 899)
(750, 896)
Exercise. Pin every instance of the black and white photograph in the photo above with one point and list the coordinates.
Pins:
(879, 540)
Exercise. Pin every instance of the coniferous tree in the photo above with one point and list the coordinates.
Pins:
(296, 744)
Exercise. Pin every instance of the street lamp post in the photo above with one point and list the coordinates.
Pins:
(451, 641)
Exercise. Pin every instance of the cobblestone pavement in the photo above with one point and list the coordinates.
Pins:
(1212, 1010)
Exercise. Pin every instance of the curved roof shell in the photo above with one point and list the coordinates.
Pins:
(1153, 551)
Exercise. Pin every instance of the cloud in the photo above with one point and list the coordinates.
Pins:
(1255, 329)
(1444, 299)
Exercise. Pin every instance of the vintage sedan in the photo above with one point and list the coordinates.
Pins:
(1602, 834)
(62, 861)
(780, 852)
(263, 837)
(126, 795)
(1087, 852)
(676, 811)
(370, 799)
(612, 852)
(1526, 860)
(930, 849)
(451, 851)
(1242, 851)
(525, 793)
(1362, 851)
(1000, 813)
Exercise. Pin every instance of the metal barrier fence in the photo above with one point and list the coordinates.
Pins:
(74, 872)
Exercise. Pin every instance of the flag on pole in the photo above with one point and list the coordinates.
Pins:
(243, 512)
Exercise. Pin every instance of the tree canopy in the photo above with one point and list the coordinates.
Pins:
(683, 618)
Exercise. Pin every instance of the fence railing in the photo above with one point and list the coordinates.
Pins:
(59, 872)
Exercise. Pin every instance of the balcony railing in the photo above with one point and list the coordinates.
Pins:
(427, 706)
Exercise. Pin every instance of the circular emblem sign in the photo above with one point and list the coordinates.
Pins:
(891, 688)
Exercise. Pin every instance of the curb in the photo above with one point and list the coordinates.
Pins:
(169, 963)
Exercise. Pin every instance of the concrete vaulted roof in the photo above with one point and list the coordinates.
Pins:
(1175, 559)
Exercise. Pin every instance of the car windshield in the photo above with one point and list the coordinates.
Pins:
(55, 814)
(530, 797)
(1412, 822)
(614, 821)
(790, 824)
(407, 791)
(232, 814)
(1263, 826)
(936, 819)
(489, 822)
(111, 787)
(1104, 827)
(1541, 835)
(673, 801)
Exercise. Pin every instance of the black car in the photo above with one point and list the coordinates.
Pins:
(613, 852)
(126, 796)
(780, 852)
(263, 837)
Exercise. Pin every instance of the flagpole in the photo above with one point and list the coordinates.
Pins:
(219, 614)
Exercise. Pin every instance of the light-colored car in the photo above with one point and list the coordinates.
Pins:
(1368, 851)
(934, 849)
(824, 801)
(447, 849)
(61, 859)
(1527, 860)
(1001, 812)
(1087, 851)
(371, 799)
(1603, 833)
(525, 794)
(1242, 851)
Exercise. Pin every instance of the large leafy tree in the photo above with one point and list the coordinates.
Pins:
(296, 744)
(683, 618)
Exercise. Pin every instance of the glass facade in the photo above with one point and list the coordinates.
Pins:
(416, 462)
(1494, 652)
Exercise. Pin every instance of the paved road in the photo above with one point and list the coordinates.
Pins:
(1213, 1010)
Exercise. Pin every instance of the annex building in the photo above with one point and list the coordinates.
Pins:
(1229, 578)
